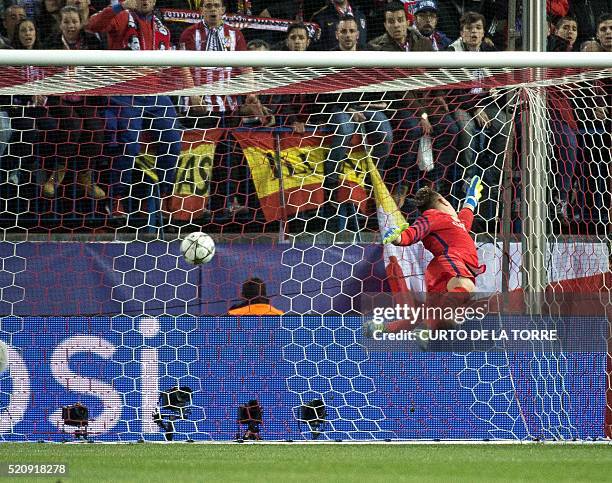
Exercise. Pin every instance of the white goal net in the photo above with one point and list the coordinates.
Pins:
(105, 169)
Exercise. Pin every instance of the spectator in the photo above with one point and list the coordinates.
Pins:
(563, 124)
(471, 39)
(328, 18)
(295, 108)
(292, 110)
(347, 115)
(598, 101)
(254, 109)
(427, 119)
(32, 7)
(74, 132)
(587, 12)
(603, 39)
(564, 32)
(296, 39)
(49, 18)
(85, 10)
(253, 112)
(599, 128)
(604, 32)
(255, 300)
(26, 112)
(602, 43)
(133, 25)
(398, 38)
(212, 34)
(12, 16)
(418, 115)
(426, 22)
(26, 36)
(484, 125)
(347, 35)
(450, 11)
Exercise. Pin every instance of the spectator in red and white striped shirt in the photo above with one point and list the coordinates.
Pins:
(211, 34)
(212, 111)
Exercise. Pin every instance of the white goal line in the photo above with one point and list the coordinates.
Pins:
(345, 442)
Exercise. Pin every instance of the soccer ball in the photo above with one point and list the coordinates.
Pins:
(198, 248)
(3, 357)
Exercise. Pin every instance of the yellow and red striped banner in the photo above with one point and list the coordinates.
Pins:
(296, 165)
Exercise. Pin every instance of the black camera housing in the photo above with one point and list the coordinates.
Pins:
(250, 414)
(175, 398)
(176, 404)
(75, 415)
(313, 413)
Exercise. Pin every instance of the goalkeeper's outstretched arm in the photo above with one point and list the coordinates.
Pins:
(432, 205)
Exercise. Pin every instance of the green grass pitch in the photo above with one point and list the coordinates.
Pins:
(314, 463)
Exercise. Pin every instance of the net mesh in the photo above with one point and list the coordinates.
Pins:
(104, 170)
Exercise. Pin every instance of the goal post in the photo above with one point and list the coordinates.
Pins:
(535, 183)
(136, 326)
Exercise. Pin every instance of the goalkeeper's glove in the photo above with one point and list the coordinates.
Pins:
(474, 193)
(394, 233)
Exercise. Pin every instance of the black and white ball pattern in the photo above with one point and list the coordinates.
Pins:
(198, 248)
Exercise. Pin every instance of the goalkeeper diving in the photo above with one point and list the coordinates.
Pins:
(445, 233)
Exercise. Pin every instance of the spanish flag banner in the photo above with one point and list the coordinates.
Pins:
(287, 170)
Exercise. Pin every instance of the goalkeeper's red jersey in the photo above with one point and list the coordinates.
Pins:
(447, 239)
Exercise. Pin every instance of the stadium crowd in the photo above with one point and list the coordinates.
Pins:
(44, 140)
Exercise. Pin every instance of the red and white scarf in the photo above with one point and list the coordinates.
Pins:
(221, 38)
(133, 38)
(215, 38)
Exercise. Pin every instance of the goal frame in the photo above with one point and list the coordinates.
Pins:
(357, 59)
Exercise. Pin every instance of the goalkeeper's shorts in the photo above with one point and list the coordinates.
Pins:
(443, 268)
